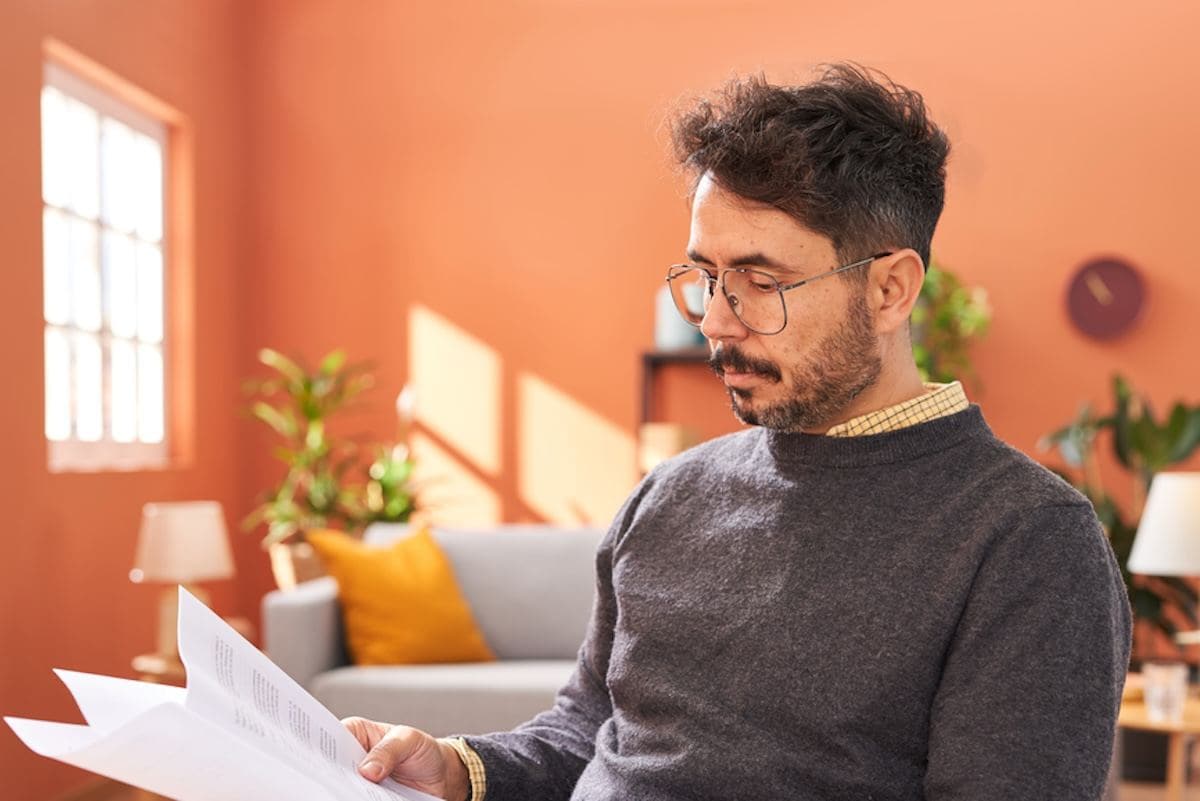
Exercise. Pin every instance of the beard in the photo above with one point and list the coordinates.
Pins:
(842, 366)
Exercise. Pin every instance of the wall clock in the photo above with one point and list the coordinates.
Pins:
(1105, 297)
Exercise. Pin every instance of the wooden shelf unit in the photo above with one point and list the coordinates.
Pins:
(653, 360)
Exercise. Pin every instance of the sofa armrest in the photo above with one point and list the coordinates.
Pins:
(302, 629)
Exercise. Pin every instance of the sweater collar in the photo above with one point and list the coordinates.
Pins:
(900, 445)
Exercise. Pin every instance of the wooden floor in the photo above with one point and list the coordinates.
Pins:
(107, 790)
(1141, 791)
(110, 791)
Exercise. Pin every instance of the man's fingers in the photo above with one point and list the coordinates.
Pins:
(367, 732)
(389, 751)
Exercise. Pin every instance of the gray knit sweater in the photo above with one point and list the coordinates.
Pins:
(920, 614)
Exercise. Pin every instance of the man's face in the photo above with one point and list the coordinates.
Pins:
(807, 375)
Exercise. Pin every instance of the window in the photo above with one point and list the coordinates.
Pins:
(103, 185)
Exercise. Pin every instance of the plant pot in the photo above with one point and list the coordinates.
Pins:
(294, 563)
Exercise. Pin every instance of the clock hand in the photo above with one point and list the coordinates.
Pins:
(1099, 289)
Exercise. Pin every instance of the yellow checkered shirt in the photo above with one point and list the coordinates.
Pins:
(940, 400)
(473, 764)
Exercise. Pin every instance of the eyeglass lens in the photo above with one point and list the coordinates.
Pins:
(754, 297)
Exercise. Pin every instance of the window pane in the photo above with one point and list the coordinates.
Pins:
(85, 275)
(56, 185)
(124, 391)
(148, 184)
(79, 153)
(58, 385)
(56, 270)
(104, 275)
(118, 190)
(150, 293)
(121, 275)
(150, 394)
(89, 401)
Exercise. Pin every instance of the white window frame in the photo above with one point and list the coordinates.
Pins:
(106, 454)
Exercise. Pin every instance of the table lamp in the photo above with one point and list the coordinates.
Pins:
(180, 543)
(1168, 537)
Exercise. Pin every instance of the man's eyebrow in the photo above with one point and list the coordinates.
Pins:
(756, 259)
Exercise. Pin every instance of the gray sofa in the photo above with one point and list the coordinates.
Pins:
(530, 588)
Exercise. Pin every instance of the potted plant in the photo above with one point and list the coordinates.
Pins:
(947, 319)
(318, 488)
(1143, 446)
(389, 494)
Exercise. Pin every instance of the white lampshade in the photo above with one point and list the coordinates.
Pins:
(182, 542)
(1168, 538)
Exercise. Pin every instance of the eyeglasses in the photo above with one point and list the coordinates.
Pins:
(755, 296)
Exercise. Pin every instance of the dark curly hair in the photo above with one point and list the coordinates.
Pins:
(852, 156)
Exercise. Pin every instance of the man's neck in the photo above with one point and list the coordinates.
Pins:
(890, 390)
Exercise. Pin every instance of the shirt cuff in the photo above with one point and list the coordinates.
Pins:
(473, 764)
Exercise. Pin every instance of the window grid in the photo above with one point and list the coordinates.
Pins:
(105, 281)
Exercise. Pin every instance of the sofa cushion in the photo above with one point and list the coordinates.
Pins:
(400, 603)
(445, 699)
(530, 587)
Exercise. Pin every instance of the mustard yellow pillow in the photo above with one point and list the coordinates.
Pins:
(401, 604)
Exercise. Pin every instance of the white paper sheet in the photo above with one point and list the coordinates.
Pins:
(169, 751)
(243, 729)
(107, 702)
(234, 684)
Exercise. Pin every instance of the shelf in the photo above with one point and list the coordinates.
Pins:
(652, 360)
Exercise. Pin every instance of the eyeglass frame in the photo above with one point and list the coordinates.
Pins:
(779, 288)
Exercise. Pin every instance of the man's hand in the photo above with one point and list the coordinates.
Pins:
(411, 757)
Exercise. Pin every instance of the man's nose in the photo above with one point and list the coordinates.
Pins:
(719, 320)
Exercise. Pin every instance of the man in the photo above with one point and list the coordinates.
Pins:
(864, 596)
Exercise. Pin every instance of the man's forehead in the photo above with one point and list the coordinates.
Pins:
(729, 229)
(710, 191)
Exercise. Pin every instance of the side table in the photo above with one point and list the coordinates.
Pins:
(159, 669)
(1133, 715)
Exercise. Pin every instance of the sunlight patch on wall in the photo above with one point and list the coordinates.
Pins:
(448, 493)
(574, 466)
(457, 381)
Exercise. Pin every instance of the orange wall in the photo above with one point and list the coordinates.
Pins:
(505, 167)
(65, 596)
(495, 178)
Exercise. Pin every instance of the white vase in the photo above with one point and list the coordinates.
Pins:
(671, 331)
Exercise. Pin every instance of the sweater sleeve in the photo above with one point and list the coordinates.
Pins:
(544, 757)
(1031, 684)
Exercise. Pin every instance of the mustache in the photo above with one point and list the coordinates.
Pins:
(729, 359)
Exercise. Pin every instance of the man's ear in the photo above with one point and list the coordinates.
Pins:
(895, 285)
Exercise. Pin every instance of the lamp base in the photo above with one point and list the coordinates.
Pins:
(168, 618)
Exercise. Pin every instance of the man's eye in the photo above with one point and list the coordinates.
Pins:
(763, 286)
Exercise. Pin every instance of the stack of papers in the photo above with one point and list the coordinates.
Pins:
(242, 730)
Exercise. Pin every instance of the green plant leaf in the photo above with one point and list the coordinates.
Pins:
(1076, 440)
(332, 362)
(257, 516)
(946, 320)
(281, 421)
(1146, 605)
(281, 364)
(279, 531)
(1184, 444)
(1121, 423)
(1182, 593)
(314, 438)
